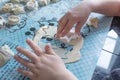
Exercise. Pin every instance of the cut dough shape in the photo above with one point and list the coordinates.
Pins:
(93, 21)
(18, 9)
(54, 1)
(7, 7)
(32, 5)
(13, 20)
(25, 1)
(15, 1)
(67, 55)
(43, 2)
(5, 54)
(2, 22)
(69, 37)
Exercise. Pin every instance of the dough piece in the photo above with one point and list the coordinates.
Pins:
(77, 41)
(48, 1)
(93, 22)
(67, 56)
(7, 49)
(70, 36)
(32, 5)
(2, 22)
(5, 54)
(25, 1)
(18, 9)
(7, 7)
(54, 1)
(15, 1)
(43, 2)
(43, 31)
(13, 20)
(74, 55)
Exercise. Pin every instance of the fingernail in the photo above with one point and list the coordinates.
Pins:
(18, 47)
(15, 56)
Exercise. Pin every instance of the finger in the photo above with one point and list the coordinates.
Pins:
(49, 50)
(35, 47)
(24, 62)
(78, 28)
(67, 28)
(27, 53)
(26, 73)
(63, 21)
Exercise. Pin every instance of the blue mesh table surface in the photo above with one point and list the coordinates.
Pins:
(15, 35)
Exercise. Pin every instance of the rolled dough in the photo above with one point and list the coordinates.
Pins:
(66, 55)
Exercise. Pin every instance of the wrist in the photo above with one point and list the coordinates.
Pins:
(66, 75)
(88, 5)
(92, 5)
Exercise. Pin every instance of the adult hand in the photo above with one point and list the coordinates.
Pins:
(77, 15)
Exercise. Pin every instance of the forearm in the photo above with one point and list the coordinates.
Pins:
(107, 7)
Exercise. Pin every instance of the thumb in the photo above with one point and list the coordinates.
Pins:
(49, 50)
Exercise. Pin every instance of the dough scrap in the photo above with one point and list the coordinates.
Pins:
(67, 56)
(93, 21)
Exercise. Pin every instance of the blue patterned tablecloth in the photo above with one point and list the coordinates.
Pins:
(93, 43)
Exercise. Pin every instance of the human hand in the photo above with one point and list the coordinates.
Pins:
(77, 15)
(44, 65)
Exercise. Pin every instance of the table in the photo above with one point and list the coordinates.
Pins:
(93, 43)
(108, 65)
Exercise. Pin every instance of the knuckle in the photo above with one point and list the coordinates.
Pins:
(69, 12)
(36, 59)
(37, 50)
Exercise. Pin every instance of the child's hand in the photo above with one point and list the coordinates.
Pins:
(44, 65)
